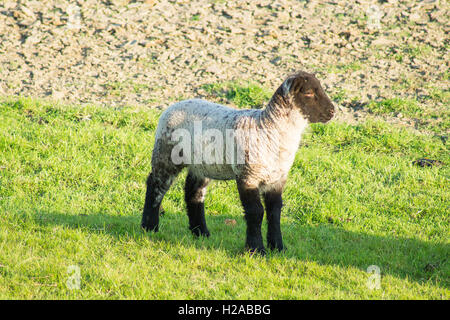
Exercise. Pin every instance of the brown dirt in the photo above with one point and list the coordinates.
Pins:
(155, 52)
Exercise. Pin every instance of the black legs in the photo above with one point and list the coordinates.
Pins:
(273, 202)
(150, 216)
(194, 195)
(195, 188)
(157, 186)
(254, 212)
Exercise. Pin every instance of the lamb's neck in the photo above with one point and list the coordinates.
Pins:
(286, 119)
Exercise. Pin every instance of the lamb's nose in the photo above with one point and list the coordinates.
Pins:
(333, 109)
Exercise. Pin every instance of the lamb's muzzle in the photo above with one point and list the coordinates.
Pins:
(267, 139)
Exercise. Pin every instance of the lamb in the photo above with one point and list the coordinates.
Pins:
(266, 141)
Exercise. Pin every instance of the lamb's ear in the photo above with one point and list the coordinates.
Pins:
(287, 84)
(292, 85)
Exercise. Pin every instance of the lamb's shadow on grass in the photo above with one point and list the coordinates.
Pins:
(324, 244)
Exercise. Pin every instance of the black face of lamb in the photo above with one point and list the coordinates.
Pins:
(310, 97)
(194, 191)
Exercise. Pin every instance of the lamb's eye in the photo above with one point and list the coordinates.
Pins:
(309, 94)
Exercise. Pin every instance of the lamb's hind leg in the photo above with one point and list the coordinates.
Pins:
(254, 213)
(194, 195)
(158, 182)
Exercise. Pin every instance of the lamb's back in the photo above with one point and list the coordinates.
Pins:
(185, 113)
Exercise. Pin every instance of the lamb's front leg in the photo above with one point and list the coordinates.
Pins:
(273, 202)
(254, 213)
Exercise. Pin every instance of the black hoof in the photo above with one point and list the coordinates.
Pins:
(257, 251)
(149, 227)
(197, 231)
(279, 247)
(276, 244)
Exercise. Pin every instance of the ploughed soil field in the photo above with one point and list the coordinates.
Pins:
(386, 58)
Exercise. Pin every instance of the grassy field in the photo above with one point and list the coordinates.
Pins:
(72, 184)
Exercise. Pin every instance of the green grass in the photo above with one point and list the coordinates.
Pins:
(195, 17)
(339, 67)
(440, 95)
(418, 51)
(118, 88)
(398, 57)
(72, 184)
(435, 119)
(339, 96)
(243, 94)
(342, 67)
(407, 107)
